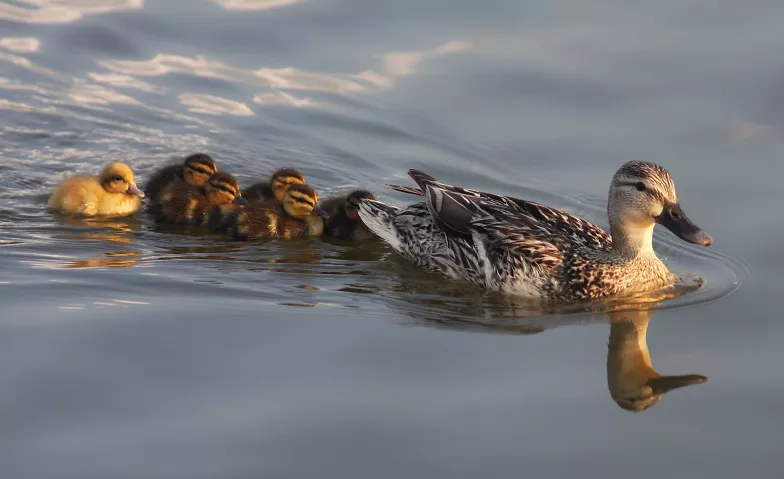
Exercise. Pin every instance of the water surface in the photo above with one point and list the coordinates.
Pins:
(137, 351)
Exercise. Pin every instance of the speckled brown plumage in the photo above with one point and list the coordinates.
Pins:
(276, 221)
(519, 246)
(184, 204)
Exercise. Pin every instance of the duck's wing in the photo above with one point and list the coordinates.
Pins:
(507, 233)
(456, 209)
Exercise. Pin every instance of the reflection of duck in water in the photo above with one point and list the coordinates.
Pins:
(633, 382)
(521, 247)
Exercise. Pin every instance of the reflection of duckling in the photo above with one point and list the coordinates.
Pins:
(273, 189)
(113, 193)
(344, 222)
(299, 215)
(181, 203)
(633, 382)
(195, 170)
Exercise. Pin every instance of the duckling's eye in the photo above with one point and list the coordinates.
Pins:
(225, 189)
(117, 178)
(640, 186)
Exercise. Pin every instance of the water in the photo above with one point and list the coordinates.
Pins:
(136, 351)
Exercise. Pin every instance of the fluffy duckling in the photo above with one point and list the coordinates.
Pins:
(298, 215)
(112, 194)
(344, 223)
(182, 203)
(273, 190)
(195, 170)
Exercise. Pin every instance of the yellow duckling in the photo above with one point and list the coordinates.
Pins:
(273, 190)
(298, 215)
(112, 194)
(182, 203)
(344, 223)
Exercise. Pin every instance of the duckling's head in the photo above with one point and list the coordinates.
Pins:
(301, 202)
(198, 168)
(118, 178)
(641, 195)
(223, 189)
(354, 199)
(282, 179)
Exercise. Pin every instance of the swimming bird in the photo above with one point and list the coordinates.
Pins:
(343, 212)
(298, 215)
(195, 170)
(518, 246)
(272, 190)
(113, 193)
(182, 203)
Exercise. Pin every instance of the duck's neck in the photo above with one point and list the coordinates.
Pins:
(633, 241)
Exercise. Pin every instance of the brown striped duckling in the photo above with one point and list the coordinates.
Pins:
(273, 190)
(344, 222)
(182, 203)
(111, 194)
(298, 215)
(195, 170)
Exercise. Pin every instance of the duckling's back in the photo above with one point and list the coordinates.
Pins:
(260, 192)
(84, 195)
(160, 179)
(181, 203)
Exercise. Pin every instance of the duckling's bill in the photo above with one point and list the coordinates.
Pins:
(134, 190)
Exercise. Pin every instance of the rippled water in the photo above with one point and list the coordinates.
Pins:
(131, 350)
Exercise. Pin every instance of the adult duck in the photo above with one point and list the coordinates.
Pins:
(522, 247)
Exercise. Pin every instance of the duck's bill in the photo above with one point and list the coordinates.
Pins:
(239, 200)
(674, 219)
(665, 384)
(318, 210)
(134, 190)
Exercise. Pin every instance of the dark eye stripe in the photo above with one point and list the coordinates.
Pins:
(117, 178)
(224, 188)
(302, 199)
(199, 170)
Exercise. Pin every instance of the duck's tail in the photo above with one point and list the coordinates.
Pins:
(378, 217)
(421, 178)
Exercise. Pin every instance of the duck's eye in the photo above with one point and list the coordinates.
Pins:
(640, 186)
(117, 178)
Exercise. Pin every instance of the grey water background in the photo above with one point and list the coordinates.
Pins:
(134, 351)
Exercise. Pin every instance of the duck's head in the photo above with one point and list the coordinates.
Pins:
(223, 189)
(301, 202)
(282, 179)
(641, 195)
(353, 200)
(118, 178)
(198, 169)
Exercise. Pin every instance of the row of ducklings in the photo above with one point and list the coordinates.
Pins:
(195, 193)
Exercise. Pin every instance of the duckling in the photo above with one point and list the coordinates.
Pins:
(272, 190)
(195, 170)
(112, 194)
(182, 203)
(298, 215)
(344, 222)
